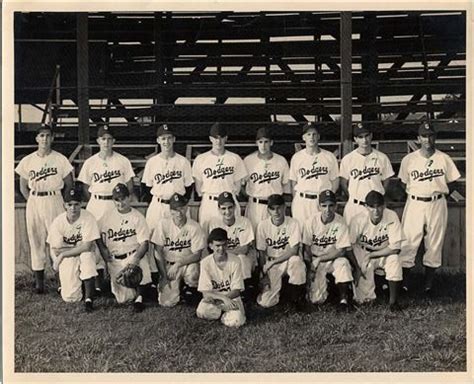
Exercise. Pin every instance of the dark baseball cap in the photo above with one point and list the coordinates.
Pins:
(120, 192)
(225, 197)
(104, 129)
(218, 130)
(44, 127)
(264, 132)
(217, 234)
(327, 195)
(374, 198)
(359, 129)
(74, 194)
(426, 129)
(163, 130)
(274, 200)
(309, 125)
(177, 201)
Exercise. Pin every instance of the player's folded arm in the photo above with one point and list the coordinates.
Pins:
(386, 251)
(141, 252)
(331, 254)
(104, 252)
(85, 246)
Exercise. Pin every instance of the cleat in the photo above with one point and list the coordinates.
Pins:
(89, 306)
(138, 307)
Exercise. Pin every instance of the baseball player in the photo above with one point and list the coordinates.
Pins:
(241, 236)
(221, 282)
(376, 237)
(312, 170)
(179, 242)
(100, 174)
(268, 174)
(278, 239)
(326, 238)
(43, 174)
(363, 170)
(71, 237)
(425, 175)
(165, 173)
(216, 171)
(125, 240)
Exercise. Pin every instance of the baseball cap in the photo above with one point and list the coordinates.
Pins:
(359, 129)
(263, 132)
(217, 130)
(177, 201)
(74, 194)
(327, 195)
(425, 129)
(225, 197)
(120, 192)
(217, 234)
(374, 198)
(164, 129)
(275, 199)
(44, 127)
(309, 125)
(103, 129)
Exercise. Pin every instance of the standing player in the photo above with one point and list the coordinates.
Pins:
(241, 236)
(216, 171)
(179, 242)
(268, 175)
(43, 174)
(325, 239)
(220, 283)
(165, 173)
(425, 174)
(363, 170)
(100, 174)
(278, 239)
(71, 237)
(125, 240)
(376, 236)
(312, 170)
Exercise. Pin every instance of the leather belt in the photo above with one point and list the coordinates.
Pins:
(367, 248)
(261, 201)
(308, 196)
(427, 199)
(125, 255)
(45, 193)
(164, 201)
(359, 202)
(170, 262)
(103, 197)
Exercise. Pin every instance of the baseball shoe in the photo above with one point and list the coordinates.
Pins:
(429, 294)
(58, 290)
(395, 307)
(98, 292)
(404, 291)
(89, 306)
(138, 307)
(344, 306)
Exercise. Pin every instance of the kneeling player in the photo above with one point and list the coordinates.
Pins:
(376, 237)
(71, 237)
(125, 237)
(179, 242)
(220, 283)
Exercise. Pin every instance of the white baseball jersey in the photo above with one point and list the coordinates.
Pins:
(365, 173)
(239, 234)
(63, 234)
(426, 177)
(44, 174)
(167, 176)
(123, 232)
(325, 237)
(103, 175)
(177, 241)
(313, 173)
(266, 177)
(213, 278)
(218, 173)
(275, 240)
(388, 232)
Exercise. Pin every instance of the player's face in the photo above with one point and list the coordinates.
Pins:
(227, 211)
(218, 247)
(179, 214)
(44, 139)
(364, 140)
(376, 213)
(106, 142)
(122, 204)
(73, 209)
(311, 138)
(264, 145)
(166, 141)
(277, 213)
(427, 141)
(328, 210)
(218, 142)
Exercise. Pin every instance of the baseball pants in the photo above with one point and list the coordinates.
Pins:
(294, 267)
(248, 263)
(256, 212)
(209, 209)
(233, 318)
(340, 268)
(40, 213)
(169, 294)
(352, 209)
(303, 208)
(428, 221)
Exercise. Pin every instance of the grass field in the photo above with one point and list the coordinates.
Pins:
(52, 336)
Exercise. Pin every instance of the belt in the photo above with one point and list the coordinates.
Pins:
(359, 202)
(308, 196)
(103, 197)
(427, 199)
(366, 248)
(270, 258)
(45, 193)
(261, 201)
(125, 255)
(211, 197)
(164, 201)
(170, 262)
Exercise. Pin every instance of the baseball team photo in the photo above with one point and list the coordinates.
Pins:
(240, 192)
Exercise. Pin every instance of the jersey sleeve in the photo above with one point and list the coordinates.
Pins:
(91, 229)
(147, 178)
(21, 169)
(128, 172)
(293, 176)
(387, 169)
(395, 232)
(55, 238)
(285, 174)
(452, 172)
(196, 168)
(66, 166)
(143, 232)
(247, 235)
(158, 236)
(237, 280)
(187, 172)
(85, 172)
(240, 169)
(334, 167)
(261, 243)
(295, 235)
(198, 242)
(402, 173)
(344, 170)
(204, 283)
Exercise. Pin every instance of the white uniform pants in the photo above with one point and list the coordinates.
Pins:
(40, 213)
(340, 268)
(256, 212)
(248, 263)
(303, 208)
(352, 209)
(233, 318)
(209, 209)
(294, 267)
(428, 221)
(168, 294)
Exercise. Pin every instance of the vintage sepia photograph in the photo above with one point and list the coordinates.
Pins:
(198, 190)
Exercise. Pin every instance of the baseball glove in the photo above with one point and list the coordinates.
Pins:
(130, 276)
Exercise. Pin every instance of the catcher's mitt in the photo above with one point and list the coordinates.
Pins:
(130, 276)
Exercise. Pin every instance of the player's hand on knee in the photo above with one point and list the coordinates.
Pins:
(228, 304)
(172, 272)
(57, 262)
